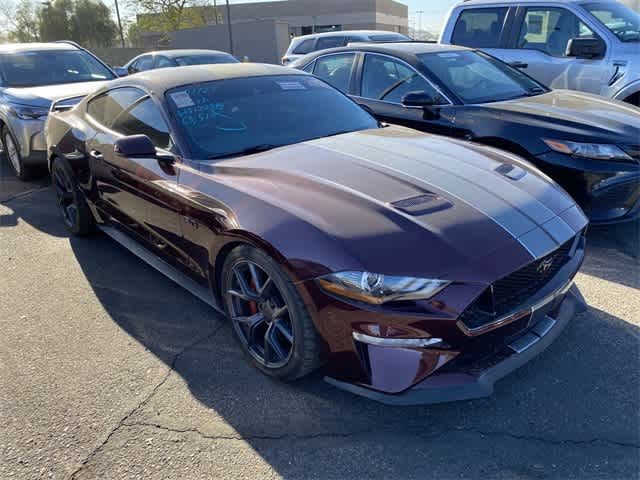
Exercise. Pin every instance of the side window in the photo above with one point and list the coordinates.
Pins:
(106, 107)
(330, 42)
(479, 27)
(335, 70)
(144, 118)
(142, 64)
(164, 62)
(550, 29)
(386, 79)
(306, 46)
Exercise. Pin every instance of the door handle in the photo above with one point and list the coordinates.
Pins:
(96, 154)
(519, 65)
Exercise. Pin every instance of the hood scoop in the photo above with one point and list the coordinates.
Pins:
(511, 171)
(422, 204)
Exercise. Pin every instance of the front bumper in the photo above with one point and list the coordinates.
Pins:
(608, 192)
(31, 140)
(548, 320)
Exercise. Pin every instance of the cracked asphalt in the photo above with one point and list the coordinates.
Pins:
(109, 370)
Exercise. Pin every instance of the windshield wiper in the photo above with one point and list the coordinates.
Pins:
(246, 151)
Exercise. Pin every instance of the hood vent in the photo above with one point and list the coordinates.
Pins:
(511, 171)
(422, 204)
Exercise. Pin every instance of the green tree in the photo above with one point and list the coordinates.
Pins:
(22, 21)
(55, 20)
(168, 15)
(91, 24)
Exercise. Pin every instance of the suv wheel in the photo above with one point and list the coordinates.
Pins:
(12, 152)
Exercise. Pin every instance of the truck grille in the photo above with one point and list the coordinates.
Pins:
(510, 292)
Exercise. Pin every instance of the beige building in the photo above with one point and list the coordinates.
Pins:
(309, 16)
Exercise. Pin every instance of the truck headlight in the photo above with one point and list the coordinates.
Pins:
(377, 289)
(594, 151)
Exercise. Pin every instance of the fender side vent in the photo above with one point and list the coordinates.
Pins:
(422, 204)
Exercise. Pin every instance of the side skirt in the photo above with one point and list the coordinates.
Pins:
(163, 267)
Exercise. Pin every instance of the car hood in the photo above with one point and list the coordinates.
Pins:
(406, 203)
(573, 115)
(43, 96)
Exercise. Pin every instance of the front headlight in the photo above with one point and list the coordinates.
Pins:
(378, 289)
(595, 151)
(25, 112)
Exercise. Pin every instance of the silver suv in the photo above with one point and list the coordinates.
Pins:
(588, 45)
(32, 76)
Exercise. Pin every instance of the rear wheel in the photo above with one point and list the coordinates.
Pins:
(12, 151)
(269, 318)
(71, 202)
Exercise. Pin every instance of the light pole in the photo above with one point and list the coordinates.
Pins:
(119, 23)
(229, 26)
(420, 12)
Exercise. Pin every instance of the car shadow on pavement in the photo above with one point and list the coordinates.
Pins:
(583, 391)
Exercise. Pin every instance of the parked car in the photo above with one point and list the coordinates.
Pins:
(301, 46)
(587, 45)
(175, 58)
(417, 268)
(32, 75)
(589, 145)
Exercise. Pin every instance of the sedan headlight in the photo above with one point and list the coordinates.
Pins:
(594, 151)
(25, 112)
(378, 289)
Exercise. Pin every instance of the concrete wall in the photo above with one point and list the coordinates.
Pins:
(263, 41)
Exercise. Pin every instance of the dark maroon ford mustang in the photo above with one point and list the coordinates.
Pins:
(415, 268)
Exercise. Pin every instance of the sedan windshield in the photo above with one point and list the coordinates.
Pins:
(35, 69)
(623, 22)
(478, 78)
(205, 59)
(239, 116)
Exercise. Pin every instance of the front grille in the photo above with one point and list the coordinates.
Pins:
(623, 195)
(510, 292)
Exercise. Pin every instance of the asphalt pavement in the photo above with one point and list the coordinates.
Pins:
(110, 370)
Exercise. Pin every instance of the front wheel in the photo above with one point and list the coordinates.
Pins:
(71, 202)
(12, 152)
(269, 318)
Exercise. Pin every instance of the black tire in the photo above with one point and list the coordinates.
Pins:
(22, 171)
(304, 350)
(72, 205)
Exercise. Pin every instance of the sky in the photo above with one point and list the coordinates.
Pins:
(434, 14)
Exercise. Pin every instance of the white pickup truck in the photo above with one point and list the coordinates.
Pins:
(588, 45)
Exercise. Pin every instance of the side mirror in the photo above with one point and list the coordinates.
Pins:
(418, 100)
(423, 100)
(586, 48)
(120, 71)
(134, 146)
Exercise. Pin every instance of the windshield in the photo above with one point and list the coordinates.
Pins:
(205, 59)
(35, 69)
(478, 78)
(623, 22)
(231, 117)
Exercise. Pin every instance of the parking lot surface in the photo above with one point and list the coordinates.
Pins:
(110, 370)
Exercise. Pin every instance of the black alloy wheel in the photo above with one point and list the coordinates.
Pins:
(268, 316)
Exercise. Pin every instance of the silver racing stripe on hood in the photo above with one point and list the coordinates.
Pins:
(523, 216)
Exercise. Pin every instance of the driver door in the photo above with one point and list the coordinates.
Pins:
(385, 80)
(140, 193)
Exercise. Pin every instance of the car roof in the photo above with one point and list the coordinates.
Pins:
(186, 53)
(399, 49)
(159, 81)
(510, 2)
(35, 47)
(348, 32)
